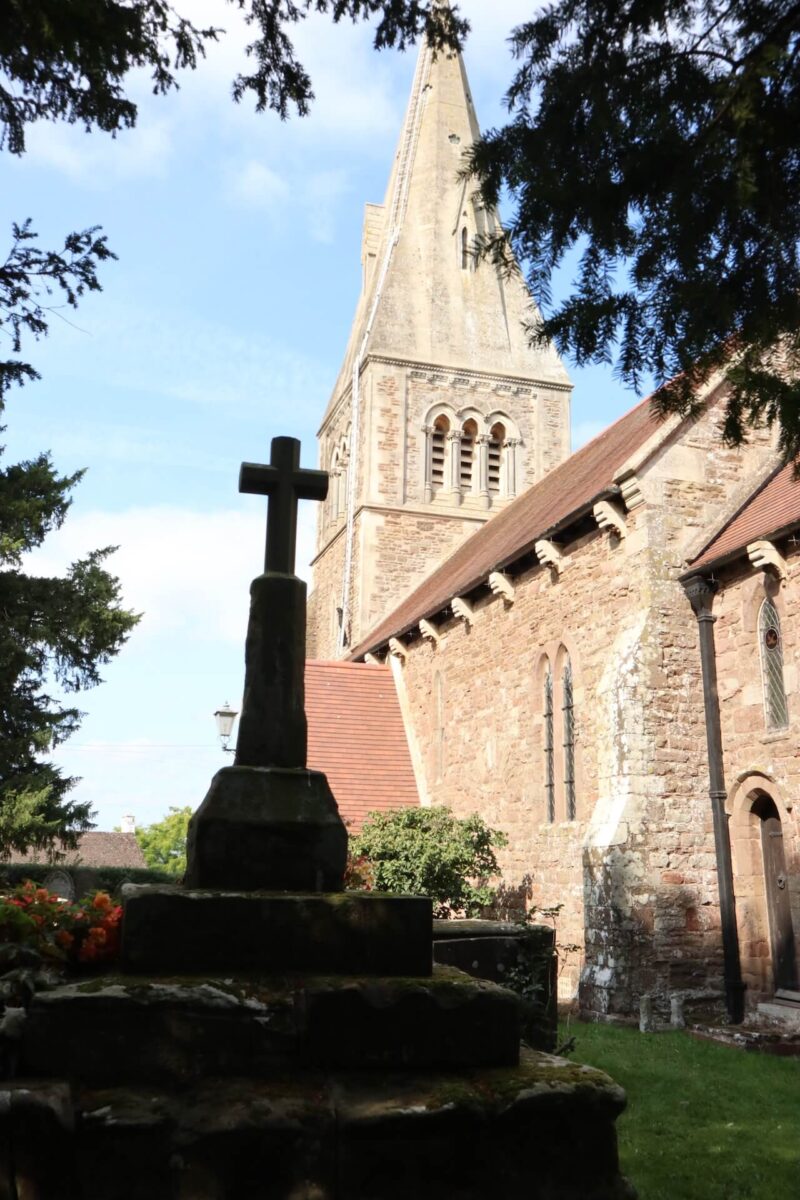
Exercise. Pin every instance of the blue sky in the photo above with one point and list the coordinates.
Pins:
(222, 324)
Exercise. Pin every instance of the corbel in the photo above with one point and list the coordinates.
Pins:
(549, 554)
(608, 516)
(397, 649)
(765, 554)
(462, 609)
(501, 585)
(429, 631)
(373, 660)
(631, 491)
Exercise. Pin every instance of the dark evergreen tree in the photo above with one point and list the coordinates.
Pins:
(55, 633)
(658, 140)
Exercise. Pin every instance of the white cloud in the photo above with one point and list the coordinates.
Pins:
(188, 572)
(98, 160)
(197, 360)
(256, 186)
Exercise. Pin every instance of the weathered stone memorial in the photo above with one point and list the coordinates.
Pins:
(270, 1036)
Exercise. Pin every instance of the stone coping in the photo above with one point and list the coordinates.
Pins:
(137, 1029)
(189, 931)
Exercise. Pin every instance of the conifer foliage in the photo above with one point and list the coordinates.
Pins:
(55, 632)
(658, 141)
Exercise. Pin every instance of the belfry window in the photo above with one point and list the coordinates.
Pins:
(776, 709)
(441, 428)
(468, 437)
(568, 723)
(549, 760)
(464, 249)
(495, 469)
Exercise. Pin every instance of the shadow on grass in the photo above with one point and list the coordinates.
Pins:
(704, 1121)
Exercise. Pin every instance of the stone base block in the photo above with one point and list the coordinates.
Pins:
(266, 827)
(543, 1130)
(123, 1029)
(176, 930)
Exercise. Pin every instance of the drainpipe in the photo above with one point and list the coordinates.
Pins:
(700, 593)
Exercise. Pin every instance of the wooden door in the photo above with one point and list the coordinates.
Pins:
(784, 959)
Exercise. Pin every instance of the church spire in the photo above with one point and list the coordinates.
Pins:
(442, 411)
(423, 291)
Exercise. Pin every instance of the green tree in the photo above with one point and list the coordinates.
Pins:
(164, 842)
(657, 140)
(430, 852)
(69, 59)
(56, 632)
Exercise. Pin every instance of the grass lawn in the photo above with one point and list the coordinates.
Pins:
(704, 1121)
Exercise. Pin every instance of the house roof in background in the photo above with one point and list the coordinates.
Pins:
(95, 849)
(772, 508)
(568, 489)
(357, 737)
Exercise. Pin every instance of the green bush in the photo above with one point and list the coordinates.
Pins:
(430, 852)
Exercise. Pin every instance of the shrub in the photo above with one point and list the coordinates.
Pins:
(429, 852)
(79, 934)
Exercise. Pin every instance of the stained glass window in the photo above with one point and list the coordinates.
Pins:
(568, 715)
(549, 764)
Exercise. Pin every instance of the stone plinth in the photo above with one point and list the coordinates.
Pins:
(182, 1031)
(266, 827)
(541, 1130)
(177, 930)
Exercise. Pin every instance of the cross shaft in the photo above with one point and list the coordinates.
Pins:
(284, 482)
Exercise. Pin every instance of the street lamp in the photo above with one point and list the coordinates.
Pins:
(225, 718)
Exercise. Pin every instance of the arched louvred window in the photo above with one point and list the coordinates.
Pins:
(464, 249)
(568, 725)
(776, 710)
(441, 428)
(469, 436)
(497, 439)
(549, 759)
(438, 701)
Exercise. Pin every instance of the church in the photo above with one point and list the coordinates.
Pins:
(598, 652)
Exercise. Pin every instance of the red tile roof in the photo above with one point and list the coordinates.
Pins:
(96, 849)
(357, 737)
(773, 508)
(570, 488)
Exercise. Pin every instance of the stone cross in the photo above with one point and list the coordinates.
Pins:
(285, 482)
(272, 728)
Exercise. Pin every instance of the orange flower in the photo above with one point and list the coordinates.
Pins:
(102, 900)
(97, 935)
(64, 939)
(42, 895)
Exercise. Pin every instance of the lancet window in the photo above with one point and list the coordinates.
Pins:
(441, 428)
(469, 436)
(568, 726)
(497, 438)
(776, 709)
(464, 249)
(549, 748)
(438, 700)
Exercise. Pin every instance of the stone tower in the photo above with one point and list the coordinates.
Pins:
(442, 412)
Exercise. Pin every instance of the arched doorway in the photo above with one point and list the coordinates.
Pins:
(776, 888)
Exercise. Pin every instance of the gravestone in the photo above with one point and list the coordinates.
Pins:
(269, 1040)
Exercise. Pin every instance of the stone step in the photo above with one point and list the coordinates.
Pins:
(124, 1028)
(179, 930)
(538, 1130)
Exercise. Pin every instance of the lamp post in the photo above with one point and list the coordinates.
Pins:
(225, 718)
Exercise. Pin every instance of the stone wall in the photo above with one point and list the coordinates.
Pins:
(758, 761)
(635, 870)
